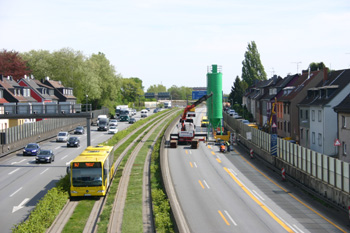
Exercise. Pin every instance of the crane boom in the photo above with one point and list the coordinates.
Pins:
(200, 100)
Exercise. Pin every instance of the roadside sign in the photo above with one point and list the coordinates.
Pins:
(198, 94)
(274, 125)
(337, 142)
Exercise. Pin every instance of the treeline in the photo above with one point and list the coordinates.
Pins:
(93, 78)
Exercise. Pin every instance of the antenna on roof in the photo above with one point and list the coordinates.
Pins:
(298, 62)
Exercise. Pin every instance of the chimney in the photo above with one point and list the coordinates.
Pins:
(325, 74)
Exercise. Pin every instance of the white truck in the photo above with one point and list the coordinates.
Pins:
(120, 108)
(167, 104)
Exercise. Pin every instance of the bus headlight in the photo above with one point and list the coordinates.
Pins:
(100, 191)
(74, 192)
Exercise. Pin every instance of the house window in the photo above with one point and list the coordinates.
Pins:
(288, 126)
(301, 133)
(284, 109)
(301, 114)
(313, 115)
(344, 148)
(288, 108)
(285, 126)
(319, 115)
(313, 138)
(343, 122)
(320, 139)
(306, 114)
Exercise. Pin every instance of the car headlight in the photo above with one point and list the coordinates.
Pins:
(75, 142)
(24, 150)
(47, 157)
(37, 157)
(34, 150)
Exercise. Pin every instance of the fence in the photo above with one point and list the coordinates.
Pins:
(322, 167)
(14, 138)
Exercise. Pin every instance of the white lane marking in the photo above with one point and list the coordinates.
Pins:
(13, 171)
(229, 216)
(20, 206)
(16, 192)
(206, 184)
(218, 157)
(44, 171)
(64, 157)
(195, 164)
(257, 194)
(299, 230)
(232, 171)
(18, 162)
(68, 163)
(190, 152)
(57, 148)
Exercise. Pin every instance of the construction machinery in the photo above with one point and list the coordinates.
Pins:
(186, 128)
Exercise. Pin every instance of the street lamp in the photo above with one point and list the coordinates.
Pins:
(87, 102)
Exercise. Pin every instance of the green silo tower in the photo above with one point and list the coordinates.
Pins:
(214, 104)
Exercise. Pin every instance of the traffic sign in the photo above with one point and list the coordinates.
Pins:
(274, 125)
(337, 142)
(198, 94)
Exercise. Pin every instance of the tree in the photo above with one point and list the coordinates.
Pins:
(252, 67)
(39, 62)
(237, 91)
(156, 88)
(317, 66)
(180, 93)
(130, 90)
(12, 64)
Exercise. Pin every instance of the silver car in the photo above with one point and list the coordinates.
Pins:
(62, 136)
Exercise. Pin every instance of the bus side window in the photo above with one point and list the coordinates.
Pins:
(68, 170)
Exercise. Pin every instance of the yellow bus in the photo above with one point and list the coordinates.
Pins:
(91, 172)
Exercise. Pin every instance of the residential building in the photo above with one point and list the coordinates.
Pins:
(343, 137)
(320, 125)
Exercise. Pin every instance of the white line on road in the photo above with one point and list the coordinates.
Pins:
(232, 171)
(13, 171)
(20, 206)
(57, 148)
(206, 184)
(218, 157)
(229, 216)
(64, 157)
(299, 230)
(18, 162)
(195, 164)
(257, 194)
(44, 171)
(16, 192)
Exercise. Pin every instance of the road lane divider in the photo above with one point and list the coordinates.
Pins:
(10, 173)
(16, 192)
(262, 205)
(18, 162)
(297, 199)
(219, 161)
(44, 171)
(209, 147)
(212, 152)
(231, 219)
(206, 184)
(186, 152)
(200, 182)
(223, 217)
(191, 164)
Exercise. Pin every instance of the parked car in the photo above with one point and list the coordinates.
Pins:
(79, 130)
(62, 136)
(245, 122)
(46, 156)
(113, 122)
(113, 129)
(73, 142)
(132, 120)
(31, 149)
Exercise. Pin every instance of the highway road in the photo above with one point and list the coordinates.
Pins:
(23, 182)
(232, 193)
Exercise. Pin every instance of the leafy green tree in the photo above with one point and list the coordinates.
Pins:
(237, 91)
(12, 64)
(130, 90)
(39, 62)
(252, 67)
(108, 82)
(180, 93)
(317, 66)
(156, 88)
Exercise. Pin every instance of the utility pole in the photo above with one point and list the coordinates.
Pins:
(298, 62)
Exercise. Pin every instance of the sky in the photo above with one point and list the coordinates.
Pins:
(172, 42)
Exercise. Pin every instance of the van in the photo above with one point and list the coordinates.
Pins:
(144, 113)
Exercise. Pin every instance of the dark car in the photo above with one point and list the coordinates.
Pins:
(79, 130)
(31, 149)
(132, 120)
(46, 156)
(73, 142)
(155, 110)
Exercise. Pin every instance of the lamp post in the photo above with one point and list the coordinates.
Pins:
(87, 102)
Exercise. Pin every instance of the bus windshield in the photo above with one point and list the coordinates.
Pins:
(84, 177)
